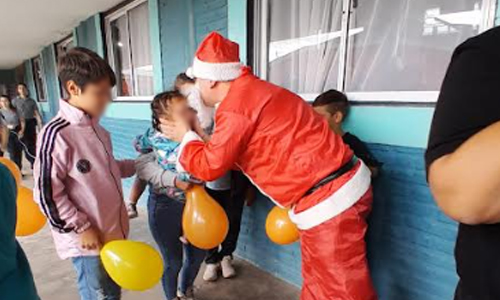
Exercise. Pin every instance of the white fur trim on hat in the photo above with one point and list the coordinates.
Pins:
(215, 71)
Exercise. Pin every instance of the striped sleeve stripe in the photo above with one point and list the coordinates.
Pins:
(45, 181)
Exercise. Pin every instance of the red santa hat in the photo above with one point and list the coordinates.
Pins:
(217, 58)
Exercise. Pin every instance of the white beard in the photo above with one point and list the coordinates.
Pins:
(205, 113)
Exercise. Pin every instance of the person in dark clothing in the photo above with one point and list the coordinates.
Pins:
(463, 165)
(15, 126)
(16, 279)
(27, 109)
(4, 137)
(334, 106)
(233, 201)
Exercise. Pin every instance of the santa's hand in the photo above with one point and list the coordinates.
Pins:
(174, 130)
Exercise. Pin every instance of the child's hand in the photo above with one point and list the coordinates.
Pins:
(183, 185)
(90, 239)
(174, 130)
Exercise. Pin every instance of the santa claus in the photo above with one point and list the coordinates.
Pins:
(291, 155)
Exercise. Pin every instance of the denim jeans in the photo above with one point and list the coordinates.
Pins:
(182, 262)
(94, 282)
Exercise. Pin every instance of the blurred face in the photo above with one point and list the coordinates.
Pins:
(94, 99)
(334, 120)
(22, 91)
(207, 92)
(4, 103)
(180, 110)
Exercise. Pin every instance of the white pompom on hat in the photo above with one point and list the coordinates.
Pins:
(217, 58)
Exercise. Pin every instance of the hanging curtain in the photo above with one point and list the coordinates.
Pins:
(304, 44)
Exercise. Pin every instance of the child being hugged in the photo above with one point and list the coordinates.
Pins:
(77, 179)
(166, 204)
(170, 105)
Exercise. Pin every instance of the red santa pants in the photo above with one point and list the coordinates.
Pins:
(334, 265)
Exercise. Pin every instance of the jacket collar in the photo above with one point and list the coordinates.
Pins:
(75, 115)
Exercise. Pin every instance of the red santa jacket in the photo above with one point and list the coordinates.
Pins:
(275, 138)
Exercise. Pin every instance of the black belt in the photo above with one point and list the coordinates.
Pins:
(334, 175)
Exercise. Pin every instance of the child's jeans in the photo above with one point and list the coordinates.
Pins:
(182, 262)
(94, 282)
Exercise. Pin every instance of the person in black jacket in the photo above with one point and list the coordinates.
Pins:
(463, 162)
(334, 106)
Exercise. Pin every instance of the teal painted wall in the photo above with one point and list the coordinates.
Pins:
(391, 125)
(51, 81)
(88, 34)
(183, 25)
(237, 25)
(210, 15)
(176, 38)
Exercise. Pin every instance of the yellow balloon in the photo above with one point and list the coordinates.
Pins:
(13, 169)
(30, 219)
(279, 228)
(132, 265)
(204, 221)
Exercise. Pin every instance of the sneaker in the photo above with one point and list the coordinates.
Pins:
(132, 211)
(184, 240)
(211, 272)
(189, 295)
(227, 267)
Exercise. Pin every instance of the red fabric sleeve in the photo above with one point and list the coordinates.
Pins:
(209, 161)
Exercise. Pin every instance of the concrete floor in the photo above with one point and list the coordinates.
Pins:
(55, 279)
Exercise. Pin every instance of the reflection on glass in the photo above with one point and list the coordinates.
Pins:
(141, 50)
(121, 55)
(406, 45)
(304, 43)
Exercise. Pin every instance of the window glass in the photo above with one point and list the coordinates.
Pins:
(141, 50)
(405, 45)
(130, 48)
(122, 56)
(381, 46)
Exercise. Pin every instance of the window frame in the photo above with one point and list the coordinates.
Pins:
(42, 78)
(108, 19)
(260, 40)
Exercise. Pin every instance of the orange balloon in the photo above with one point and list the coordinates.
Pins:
(30, 219)
(13, 169)
(204, 221)
(279, 228)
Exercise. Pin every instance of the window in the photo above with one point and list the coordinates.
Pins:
(383, 50)
(39, 79)
(61, 48)
(129, 51)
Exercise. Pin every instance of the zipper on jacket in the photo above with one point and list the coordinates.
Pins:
(112, 175)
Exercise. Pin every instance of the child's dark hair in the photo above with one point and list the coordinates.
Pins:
(181, 79)
(83, 66)
(11, 106)
(160, 104)
(334, 101)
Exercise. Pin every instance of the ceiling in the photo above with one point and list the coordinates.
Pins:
(26, 26)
